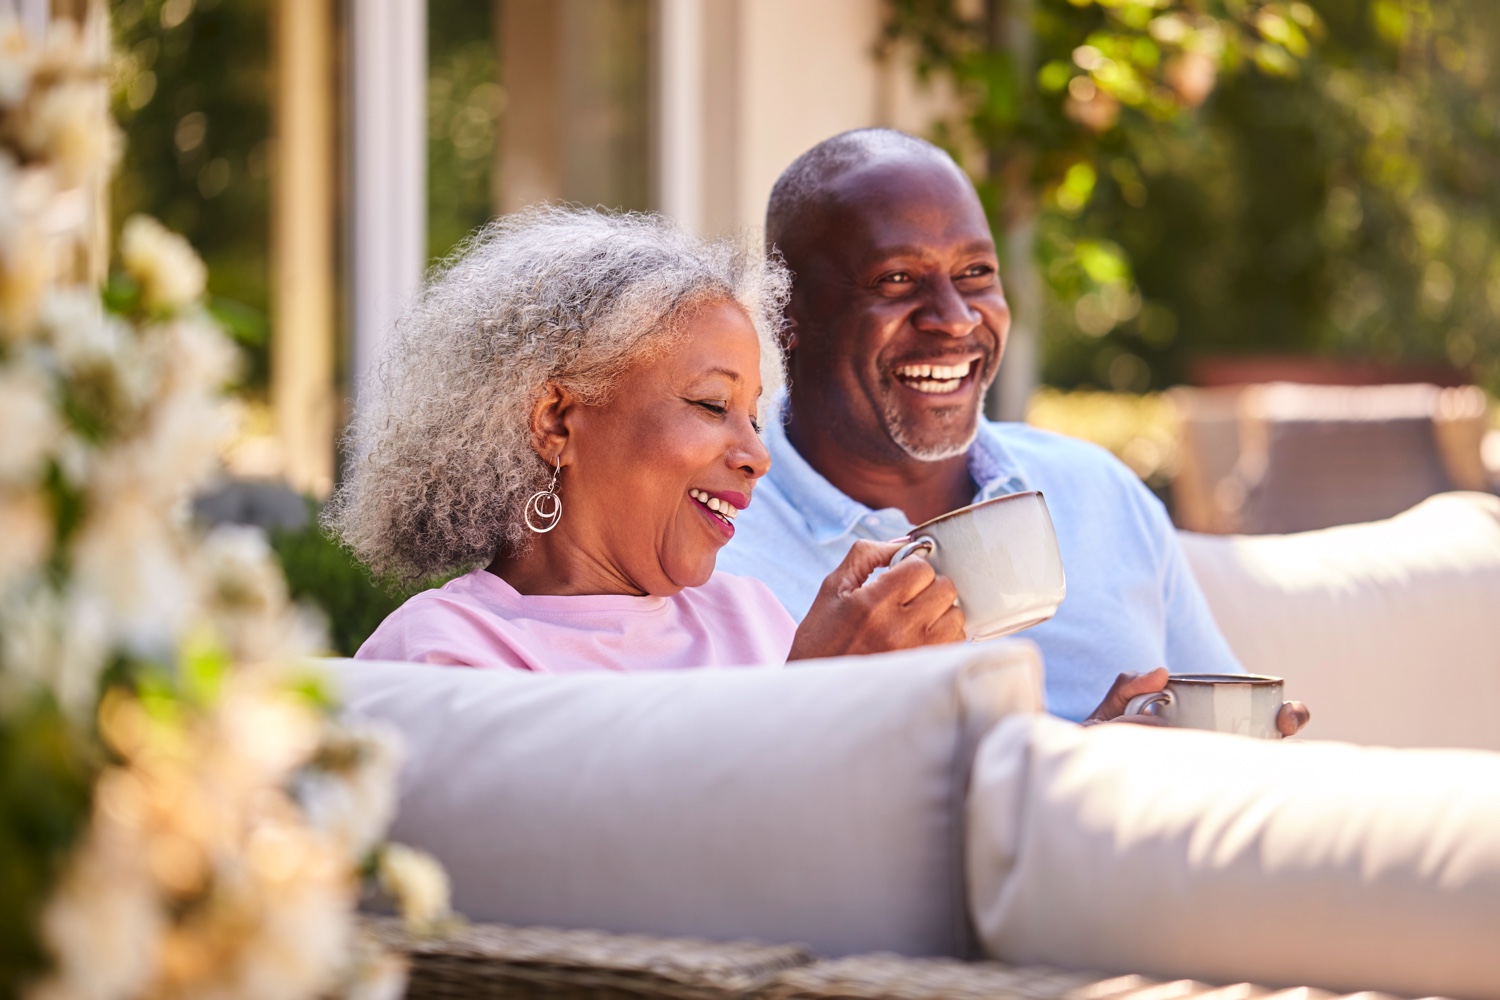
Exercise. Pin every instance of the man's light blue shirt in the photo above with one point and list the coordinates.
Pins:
(1132, 602)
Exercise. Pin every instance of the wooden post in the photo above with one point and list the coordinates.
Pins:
(303, 213)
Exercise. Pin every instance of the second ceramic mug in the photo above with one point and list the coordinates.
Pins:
(1246, 704)
(1002, 556)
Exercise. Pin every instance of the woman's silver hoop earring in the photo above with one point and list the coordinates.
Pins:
(545, 506)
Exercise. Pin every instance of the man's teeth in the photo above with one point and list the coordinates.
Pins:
(934, 378)
(727, 511)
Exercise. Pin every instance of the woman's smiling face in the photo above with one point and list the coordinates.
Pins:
(653, 478)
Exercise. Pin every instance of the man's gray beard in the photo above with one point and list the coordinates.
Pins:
(928, 453)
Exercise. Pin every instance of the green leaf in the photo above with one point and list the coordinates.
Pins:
(1103, 261)
(1077, 187)
(1053, 77)
(47, 767)
(1390, 20)
(246, 324)
(122, 294)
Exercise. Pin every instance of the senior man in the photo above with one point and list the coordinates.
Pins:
(896, 325)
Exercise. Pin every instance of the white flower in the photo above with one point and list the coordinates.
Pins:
(76, 458)
(29, 257)
(69, 124)
(301, 898)
(170, 272)
(17, 60)
(418, 884)
(197, 354)
(128, 560)
(56, 642)
(375, 974)
(176, 451)
(240, 569)
(246, 599)
(104, 926)
(25, 533)
(100, 357)
(70, 49)
(30, 422)
(270, 733)
(352, 794)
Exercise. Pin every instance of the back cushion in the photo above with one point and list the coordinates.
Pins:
(1390, 631)
(1175, 853)
(818, 804)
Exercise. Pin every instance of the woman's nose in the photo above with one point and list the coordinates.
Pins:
(750, 454)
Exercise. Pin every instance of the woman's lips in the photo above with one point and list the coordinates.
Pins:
(725, 528)
(721, 507)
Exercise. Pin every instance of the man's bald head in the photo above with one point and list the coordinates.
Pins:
(894, 277)
(803, 187)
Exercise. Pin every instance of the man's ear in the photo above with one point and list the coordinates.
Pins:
(550, 423)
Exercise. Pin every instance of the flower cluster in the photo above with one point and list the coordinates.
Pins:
(232, 820)
(200, 874)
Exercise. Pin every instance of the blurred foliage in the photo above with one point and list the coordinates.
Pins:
(46, 770)
(192, 90)
(464, 102)
(1051, 87)
(1140, 429)
(322, 572)
(1339, 198)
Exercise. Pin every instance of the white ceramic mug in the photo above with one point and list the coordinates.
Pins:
(1245, 704)
(1002, 556)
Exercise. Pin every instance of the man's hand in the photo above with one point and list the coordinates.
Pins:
(908, 606)
(1290, 719)
(1126, 687)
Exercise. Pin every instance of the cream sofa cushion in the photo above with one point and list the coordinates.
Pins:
(1226, 859)
(818, 804)
(1390, 631)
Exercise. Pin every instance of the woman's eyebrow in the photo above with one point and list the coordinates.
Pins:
(728, 373)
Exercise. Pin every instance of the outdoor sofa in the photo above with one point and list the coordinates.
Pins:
(911, 825)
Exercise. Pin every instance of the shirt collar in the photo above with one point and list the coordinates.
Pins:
(831, 515)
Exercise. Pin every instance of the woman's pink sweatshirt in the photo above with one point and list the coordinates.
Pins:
(479, 620)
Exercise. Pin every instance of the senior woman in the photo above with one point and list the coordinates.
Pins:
(570, 416)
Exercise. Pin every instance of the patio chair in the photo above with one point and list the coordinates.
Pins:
(1282, 457)
(492, 960)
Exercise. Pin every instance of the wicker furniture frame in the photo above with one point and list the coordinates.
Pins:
(485, 961)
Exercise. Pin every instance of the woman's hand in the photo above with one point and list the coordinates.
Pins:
(904, 607)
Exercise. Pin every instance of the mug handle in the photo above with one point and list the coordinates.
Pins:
(1141, 702)
(911, 548)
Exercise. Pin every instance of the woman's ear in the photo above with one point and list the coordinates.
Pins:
(550, 424)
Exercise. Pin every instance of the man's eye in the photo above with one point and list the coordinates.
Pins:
(978, 271)
(899, 278)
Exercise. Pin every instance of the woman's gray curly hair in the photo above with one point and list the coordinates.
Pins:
(441, 462)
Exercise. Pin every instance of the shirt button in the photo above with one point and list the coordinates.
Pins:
(872, 520)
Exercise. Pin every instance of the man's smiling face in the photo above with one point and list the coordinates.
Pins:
(898, 317)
